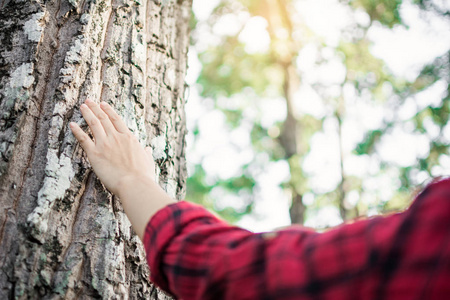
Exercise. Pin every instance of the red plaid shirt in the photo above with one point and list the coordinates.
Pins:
(194, 255)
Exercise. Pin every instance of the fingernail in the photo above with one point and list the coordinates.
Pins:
(83, 106)
(72, 124)
(88, 101)
(103, 103)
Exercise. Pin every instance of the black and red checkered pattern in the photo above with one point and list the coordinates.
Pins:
(194, 255)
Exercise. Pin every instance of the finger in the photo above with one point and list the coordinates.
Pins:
(85, 141)
(93, 122)
(103, 118)
(116, 120)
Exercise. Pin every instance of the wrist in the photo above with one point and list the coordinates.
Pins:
(141, 198)
(129, 183)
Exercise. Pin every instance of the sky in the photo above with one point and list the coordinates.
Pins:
(405, 50)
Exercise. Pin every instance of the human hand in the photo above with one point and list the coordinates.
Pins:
(115, 153)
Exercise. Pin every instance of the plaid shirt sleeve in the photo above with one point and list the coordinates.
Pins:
(194, 255)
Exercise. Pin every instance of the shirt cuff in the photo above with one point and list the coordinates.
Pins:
(163, 227)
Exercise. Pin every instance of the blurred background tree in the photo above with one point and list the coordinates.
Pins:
(296, 107)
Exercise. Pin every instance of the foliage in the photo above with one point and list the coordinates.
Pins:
(230, 71)
(384, 11)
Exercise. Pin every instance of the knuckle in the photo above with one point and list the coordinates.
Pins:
(93, 122)
(82, 138)
(102, 116)
(113, 118)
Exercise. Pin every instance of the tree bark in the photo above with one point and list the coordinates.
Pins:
(62, 235)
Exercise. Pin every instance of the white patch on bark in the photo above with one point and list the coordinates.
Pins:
(170, 78)
(170, 187)
(17, 91)
(166, 2)
(67, 73)
(33, 28)
(125, 225)
(21, 77)
(74, 54)
(138, 50)
(170, 152)
(74, 3)
(138, 60)
(46, 276)
(134, 122)
(85, 18)
(159, 147)
(59, 176)
(73, 57)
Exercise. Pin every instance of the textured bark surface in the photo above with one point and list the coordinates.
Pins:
(62, 235)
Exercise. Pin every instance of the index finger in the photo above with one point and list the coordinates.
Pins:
(114, 117)
(93, 122)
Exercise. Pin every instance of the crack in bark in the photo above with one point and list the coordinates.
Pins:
(103, 51)
(2, 229)
(37, 121)
(81, 197)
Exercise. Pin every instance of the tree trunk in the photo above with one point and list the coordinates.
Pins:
(276, 12)
(62, 235)
(289, 140)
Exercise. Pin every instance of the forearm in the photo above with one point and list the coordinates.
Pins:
(194, 255)
(141, 199)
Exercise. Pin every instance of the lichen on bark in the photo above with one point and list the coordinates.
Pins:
(33, 28)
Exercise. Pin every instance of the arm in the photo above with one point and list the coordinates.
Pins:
(194, 255)
(121, 163)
